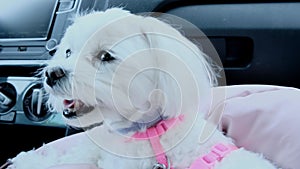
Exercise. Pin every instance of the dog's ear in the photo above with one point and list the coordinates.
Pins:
(214, 115)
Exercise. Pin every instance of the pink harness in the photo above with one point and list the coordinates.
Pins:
(217, 153)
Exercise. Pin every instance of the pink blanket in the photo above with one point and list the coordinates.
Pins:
(265, 119)
(261, 118)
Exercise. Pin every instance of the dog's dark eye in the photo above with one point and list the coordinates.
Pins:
(68, 53)
(106, 57)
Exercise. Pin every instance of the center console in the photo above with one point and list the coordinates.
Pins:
(29, 33)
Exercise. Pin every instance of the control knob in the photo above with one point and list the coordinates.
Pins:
(8, 96)
(35, 103)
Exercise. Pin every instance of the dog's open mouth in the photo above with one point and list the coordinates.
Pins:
(75, 108)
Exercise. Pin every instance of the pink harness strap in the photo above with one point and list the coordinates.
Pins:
(160, 155)
(217, 153)
(153, 134)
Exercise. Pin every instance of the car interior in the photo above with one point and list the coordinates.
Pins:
(257, 43)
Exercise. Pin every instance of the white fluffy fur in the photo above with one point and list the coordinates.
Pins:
(122, 35)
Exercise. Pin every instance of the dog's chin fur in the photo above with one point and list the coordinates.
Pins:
(128, 96)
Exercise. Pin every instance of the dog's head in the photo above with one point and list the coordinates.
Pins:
(127, 69)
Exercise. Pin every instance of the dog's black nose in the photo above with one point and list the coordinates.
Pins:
(53, 75)
(69, 114)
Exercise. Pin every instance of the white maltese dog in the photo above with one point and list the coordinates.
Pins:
(141, 90)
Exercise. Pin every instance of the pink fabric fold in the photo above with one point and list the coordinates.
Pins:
(265, 119)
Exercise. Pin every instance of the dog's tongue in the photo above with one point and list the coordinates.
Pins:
(69, 104)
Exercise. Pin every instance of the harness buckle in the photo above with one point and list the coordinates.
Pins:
(162, 166)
